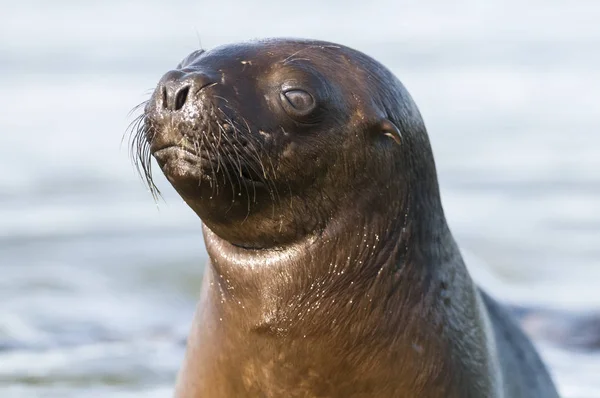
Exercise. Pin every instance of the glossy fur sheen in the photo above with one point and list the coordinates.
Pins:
(332, 270)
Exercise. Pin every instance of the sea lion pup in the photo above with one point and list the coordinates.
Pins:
(332, 270)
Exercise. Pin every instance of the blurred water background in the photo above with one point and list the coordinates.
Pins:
(98, 283)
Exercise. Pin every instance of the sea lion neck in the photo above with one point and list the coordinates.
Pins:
(362, 254)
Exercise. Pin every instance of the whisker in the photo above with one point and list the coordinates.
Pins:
(140, 134)
(249, 164)
(209, 154)
(241, 181)
(228, 174)
(198, 152)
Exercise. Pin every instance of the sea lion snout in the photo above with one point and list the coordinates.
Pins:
(178, 86)
(180, 113)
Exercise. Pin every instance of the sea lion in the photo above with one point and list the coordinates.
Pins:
(332, 272)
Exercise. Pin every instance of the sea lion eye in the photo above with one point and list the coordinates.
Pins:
(300, 100)
(298, 103)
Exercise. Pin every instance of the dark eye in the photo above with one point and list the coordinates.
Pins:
(298, 103)
(300, 100)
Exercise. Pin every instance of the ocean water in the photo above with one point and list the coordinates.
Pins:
(99, 282)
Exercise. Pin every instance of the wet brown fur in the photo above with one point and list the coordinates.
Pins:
(332, 270)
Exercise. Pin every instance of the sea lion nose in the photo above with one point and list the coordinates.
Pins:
(175, 86)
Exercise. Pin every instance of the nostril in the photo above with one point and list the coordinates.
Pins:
(165, 98)
(181, 97)
(176, 87)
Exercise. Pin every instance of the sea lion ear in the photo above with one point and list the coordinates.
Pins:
(389, 129)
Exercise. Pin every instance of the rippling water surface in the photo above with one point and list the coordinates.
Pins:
(98, 283)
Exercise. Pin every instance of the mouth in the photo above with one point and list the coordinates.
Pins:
(184, 158)
(181, 156)
(175, 152)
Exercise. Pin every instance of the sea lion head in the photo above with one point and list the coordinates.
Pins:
(271, 141)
